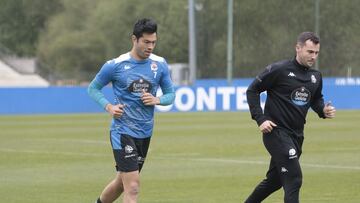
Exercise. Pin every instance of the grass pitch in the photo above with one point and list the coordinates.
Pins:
(193, 158)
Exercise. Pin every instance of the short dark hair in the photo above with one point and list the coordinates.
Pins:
(144, 25)
(304, 36)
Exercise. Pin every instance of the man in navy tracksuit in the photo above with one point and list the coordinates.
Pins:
(292, 88)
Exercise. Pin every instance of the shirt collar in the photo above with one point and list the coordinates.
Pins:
(297, 64)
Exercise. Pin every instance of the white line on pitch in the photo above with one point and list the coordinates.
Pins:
(260, 162)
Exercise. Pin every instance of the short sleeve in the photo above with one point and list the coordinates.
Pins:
(105, 75)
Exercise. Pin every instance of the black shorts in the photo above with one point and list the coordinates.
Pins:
(283, 145)
(132, 153)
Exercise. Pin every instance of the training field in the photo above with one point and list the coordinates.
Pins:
(193, 158)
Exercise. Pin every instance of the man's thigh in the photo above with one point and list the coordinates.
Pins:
(284, 152)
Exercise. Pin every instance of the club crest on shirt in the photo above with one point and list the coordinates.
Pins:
(313, 79)
(153, 66)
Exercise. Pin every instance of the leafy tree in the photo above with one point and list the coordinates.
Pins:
(78, 48)
(72, 39)
(340, 37)
(68, 48)
(21, 21)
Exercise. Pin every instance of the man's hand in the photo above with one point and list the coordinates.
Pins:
(267, 126)
(329, 110)
(148, 99)
(115, 111)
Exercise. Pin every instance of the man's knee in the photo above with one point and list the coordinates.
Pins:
(297, 182)
(293, 182)
(133, 188)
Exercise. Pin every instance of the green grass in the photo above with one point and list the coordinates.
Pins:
(193, 157)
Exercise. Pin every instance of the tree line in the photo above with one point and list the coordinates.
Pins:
(72, 39)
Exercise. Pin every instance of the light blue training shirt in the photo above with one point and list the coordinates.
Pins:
(128, 78)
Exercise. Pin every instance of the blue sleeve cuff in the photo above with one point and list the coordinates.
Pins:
(168, 96)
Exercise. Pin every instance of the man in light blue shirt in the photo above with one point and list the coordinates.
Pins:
(135, 77)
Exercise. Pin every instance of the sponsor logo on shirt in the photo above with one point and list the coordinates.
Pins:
(300, 96)
(138, 86)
